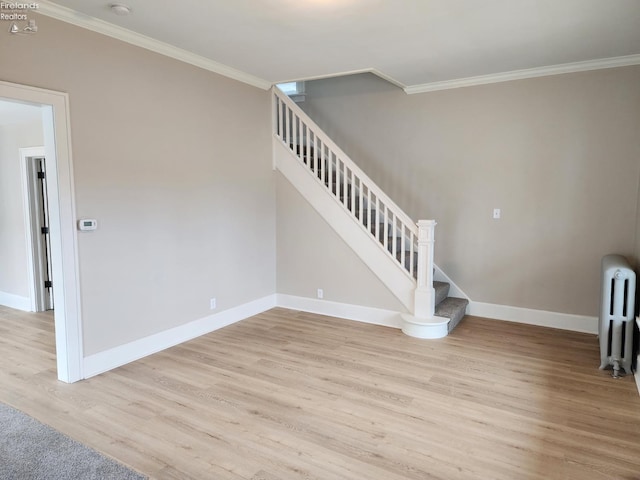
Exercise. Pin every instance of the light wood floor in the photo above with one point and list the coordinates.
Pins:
(288, 395)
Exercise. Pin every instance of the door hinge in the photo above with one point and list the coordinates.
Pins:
(44, 230)
(48, 284)
(41, 175)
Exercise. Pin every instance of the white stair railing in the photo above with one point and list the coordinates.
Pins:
(409, 244)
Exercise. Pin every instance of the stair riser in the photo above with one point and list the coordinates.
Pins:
(454, 309)
(442, 291)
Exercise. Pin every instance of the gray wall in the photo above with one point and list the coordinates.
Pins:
(13, 248)
(175, 164)
(559, 155)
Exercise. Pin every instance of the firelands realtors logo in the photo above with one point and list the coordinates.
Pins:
(18, 16)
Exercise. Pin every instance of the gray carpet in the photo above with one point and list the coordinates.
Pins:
(30, 450)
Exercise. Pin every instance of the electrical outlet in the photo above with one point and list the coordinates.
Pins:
(212, 303)
(320, 293)
(496, 213)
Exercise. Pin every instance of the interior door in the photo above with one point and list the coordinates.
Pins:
(39, 206)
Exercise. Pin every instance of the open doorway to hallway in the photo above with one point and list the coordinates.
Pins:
(59, 255)
(26, 284)
(20, 126)
(37, 228)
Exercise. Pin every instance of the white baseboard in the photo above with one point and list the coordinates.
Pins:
(563, 321)
(389, 318)
(123, 354)
(376, 316)
(15, 301)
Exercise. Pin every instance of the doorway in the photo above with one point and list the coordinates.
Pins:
(36, 203)
(61, 216)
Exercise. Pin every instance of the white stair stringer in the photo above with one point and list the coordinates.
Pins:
(381, 263)
(454, 289)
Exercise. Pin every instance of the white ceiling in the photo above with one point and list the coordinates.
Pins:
(412, 43)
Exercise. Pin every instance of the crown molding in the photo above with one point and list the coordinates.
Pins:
(346, 73)
(598, 64)
(575, 67)
(100, 26)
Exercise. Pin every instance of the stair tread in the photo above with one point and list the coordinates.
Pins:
(453, 308)
(450, 305)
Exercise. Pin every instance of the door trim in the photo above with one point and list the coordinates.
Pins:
(33, 251)
(64, 249)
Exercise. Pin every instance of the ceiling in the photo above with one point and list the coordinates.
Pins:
(15, 112)
(418, 45)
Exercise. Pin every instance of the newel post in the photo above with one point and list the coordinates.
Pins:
(424, 306)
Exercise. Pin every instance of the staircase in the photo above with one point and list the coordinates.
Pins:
(398, 250)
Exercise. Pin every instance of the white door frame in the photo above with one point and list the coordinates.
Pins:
(62, 220)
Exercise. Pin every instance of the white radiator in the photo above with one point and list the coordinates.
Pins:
(617, 308)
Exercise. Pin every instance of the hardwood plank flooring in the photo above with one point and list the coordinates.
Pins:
(291, 395)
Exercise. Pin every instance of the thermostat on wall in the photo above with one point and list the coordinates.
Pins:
(86, 224)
